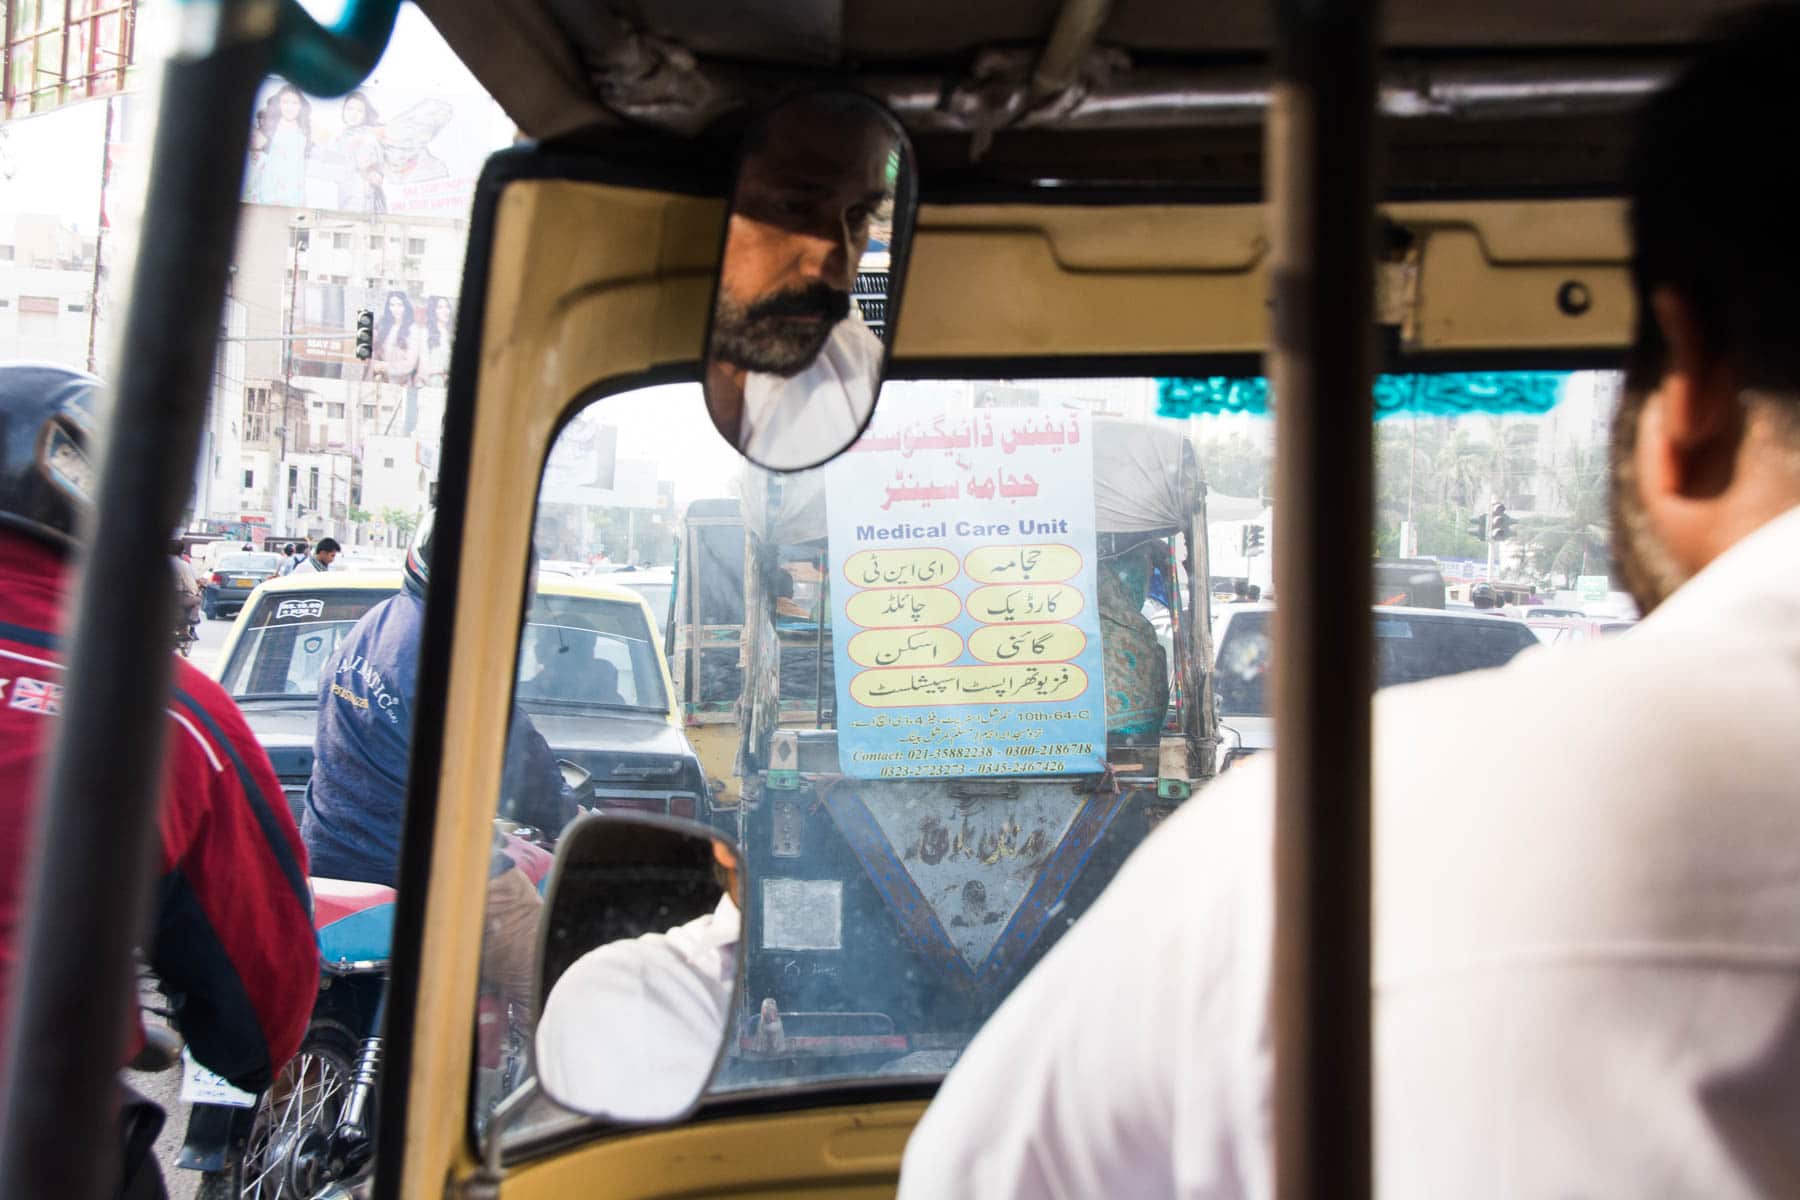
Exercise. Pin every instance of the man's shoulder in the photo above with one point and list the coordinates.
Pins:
(201, 689)
(623, 966)
(853, 337)
(196, 691)
(1601, 683)
(393, 619)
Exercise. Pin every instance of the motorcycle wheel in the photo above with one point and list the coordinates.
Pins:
(305, 1098)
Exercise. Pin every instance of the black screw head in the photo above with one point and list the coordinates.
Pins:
(1573, 298)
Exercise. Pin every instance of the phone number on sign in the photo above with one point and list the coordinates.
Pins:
(1012, 766)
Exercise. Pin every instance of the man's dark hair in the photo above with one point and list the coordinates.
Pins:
(327, 546)
(1712, 188)
(289, 550)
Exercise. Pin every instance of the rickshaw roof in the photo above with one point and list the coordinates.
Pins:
(565, 68)
(1146, 480)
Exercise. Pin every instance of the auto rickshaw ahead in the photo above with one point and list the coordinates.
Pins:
(952, 721)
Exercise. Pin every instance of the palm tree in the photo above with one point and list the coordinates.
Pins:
(1577, 542)
(1461, 466)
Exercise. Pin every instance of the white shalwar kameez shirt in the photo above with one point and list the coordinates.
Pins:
(796, 422)
(1587, 944)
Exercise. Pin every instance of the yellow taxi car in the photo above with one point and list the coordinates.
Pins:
(627, 737)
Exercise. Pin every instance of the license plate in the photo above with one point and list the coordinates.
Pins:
(201, 1086)
(243, 583)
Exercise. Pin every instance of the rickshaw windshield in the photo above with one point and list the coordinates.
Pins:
(943, 686)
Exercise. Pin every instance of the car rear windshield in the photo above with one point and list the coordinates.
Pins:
(582, 652)
(1408, 648)
(290, 636)
(249, 562)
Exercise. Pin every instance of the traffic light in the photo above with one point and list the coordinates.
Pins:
(365, 333)
(1253, 540)
(1478, 527)
(1503, 525)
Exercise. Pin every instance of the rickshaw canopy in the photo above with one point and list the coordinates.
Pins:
(1146, 480)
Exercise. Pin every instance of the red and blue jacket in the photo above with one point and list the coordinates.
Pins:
(232, 940)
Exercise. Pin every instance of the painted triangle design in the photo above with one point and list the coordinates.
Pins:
(972, 885)
(973, 862)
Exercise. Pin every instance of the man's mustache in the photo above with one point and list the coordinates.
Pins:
(816, 300)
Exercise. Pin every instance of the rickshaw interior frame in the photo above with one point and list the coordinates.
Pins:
(657, 359)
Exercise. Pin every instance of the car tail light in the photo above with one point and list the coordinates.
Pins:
(651, 804)
(219, 578)
(681, 806)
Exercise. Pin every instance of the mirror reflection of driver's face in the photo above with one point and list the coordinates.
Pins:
(806, 197)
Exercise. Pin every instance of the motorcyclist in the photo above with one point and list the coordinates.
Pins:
(355, 801)
(232, 938)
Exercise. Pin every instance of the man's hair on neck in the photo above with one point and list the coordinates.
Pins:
(1713, 185)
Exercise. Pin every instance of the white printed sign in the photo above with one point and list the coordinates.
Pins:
(965, 623)
(201, 1086)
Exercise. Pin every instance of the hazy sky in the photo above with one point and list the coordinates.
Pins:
(51, 162)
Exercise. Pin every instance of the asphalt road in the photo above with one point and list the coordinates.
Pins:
(205, 653)
(165, 1087)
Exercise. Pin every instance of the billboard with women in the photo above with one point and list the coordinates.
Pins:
(412, 334)
(375, 151)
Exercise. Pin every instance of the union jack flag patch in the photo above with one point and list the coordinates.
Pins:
(38, 696)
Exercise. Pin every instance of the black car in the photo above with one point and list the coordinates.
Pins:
(1411, 645)
(232, 580)
(615, 721)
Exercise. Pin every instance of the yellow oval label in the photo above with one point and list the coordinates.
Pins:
(1026, 643)
(905, 647)
(893, 608)
(926, 566)
(1001, 604)
(932, 687)
(1023, 564)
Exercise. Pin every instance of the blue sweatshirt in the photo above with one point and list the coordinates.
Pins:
(356, 799)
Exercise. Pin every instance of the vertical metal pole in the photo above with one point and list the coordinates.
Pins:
(824, 610)
(8, 17)
(62, 89)
(1321, 199)
(100, 242)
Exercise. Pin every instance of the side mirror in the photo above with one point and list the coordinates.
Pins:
(639, 966)
(816, 246)
(574, 776)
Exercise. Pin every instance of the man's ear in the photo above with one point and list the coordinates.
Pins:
(1697, 413)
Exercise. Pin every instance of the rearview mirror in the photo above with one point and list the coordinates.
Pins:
(639, 966)
(816, 245)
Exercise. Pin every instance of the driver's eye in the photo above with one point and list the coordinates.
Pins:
(859, 216)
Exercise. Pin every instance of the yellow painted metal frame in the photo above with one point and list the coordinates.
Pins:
(592, 282)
